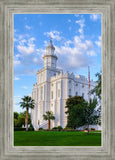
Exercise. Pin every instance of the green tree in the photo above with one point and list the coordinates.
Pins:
(16, 114)
(97, 88)
(75, 111)
(23, 114)
(91, 114)
(20, 119)
(48, 116)
(27, 102)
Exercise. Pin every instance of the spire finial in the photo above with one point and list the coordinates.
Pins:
(51, 39)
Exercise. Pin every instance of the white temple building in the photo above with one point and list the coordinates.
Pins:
(52, 89)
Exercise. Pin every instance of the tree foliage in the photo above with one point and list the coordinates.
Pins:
(16, 114)
(48, 116)
(97, 88)
(80, 112)
(91, 114)
(20, 120)
(75, 111)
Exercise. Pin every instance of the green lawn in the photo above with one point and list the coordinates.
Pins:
(55, 138)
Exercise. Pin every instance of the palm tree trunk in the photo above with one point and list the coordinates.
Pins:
(49, 124)
(26, 124)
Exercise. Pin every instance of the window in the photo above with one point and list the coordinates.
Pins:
(52, 94)
(69, 81)
(76, 93)
(69, 92)
(83, 95)
(82, 85)
(76, 84)
(58, 92)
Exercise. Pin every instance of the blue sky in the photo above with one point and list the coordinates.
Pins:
(77, 41)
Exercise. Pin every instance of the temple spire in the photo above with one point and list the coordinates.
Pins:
(50, 48)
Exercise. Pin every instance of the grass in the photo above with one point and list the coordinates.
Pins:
(56, 138)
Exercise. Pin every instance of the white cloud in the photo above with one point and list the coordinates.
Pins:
(91, 53)
(25, 49)
(81, 23)
(45, 43)
(71, 54)
(17, 97)
(25, 87)
(16, 62)
(98, 43)
(75, 54)
(27, 58)
(99, 38)
(28, 27)
(94, 17)
(35, 60)
(26, 46)
(79, 47)
(53, 34)
(69, 20)
(67, 43)
(16, 78)
(76, 15)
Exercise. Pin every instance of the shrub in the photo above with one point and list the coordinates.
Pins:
(93, 129)
(40, 128)
(46, 130)
(31, 128)
(59, 128)
(69, 129)
(19, 129)
(54, 129)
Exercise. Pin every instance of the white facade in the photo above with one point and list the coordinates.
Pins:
(52, 89)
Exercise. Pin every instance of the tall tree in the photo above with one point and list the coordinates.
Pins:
(19, 119)
(97, 88)
(16, 114)
(91, 114)
(75, 111)
(48, 116)
(80, 112)
(27, 102)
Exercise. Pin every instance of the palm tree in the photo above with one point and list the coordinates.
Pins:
(27, 102)
(97, 88)
(48, 116)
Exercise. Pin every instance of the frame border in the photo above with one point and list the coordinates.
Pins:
(107, 150)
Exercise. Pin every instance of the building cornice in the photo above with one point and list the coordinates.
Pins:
(46, 55)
